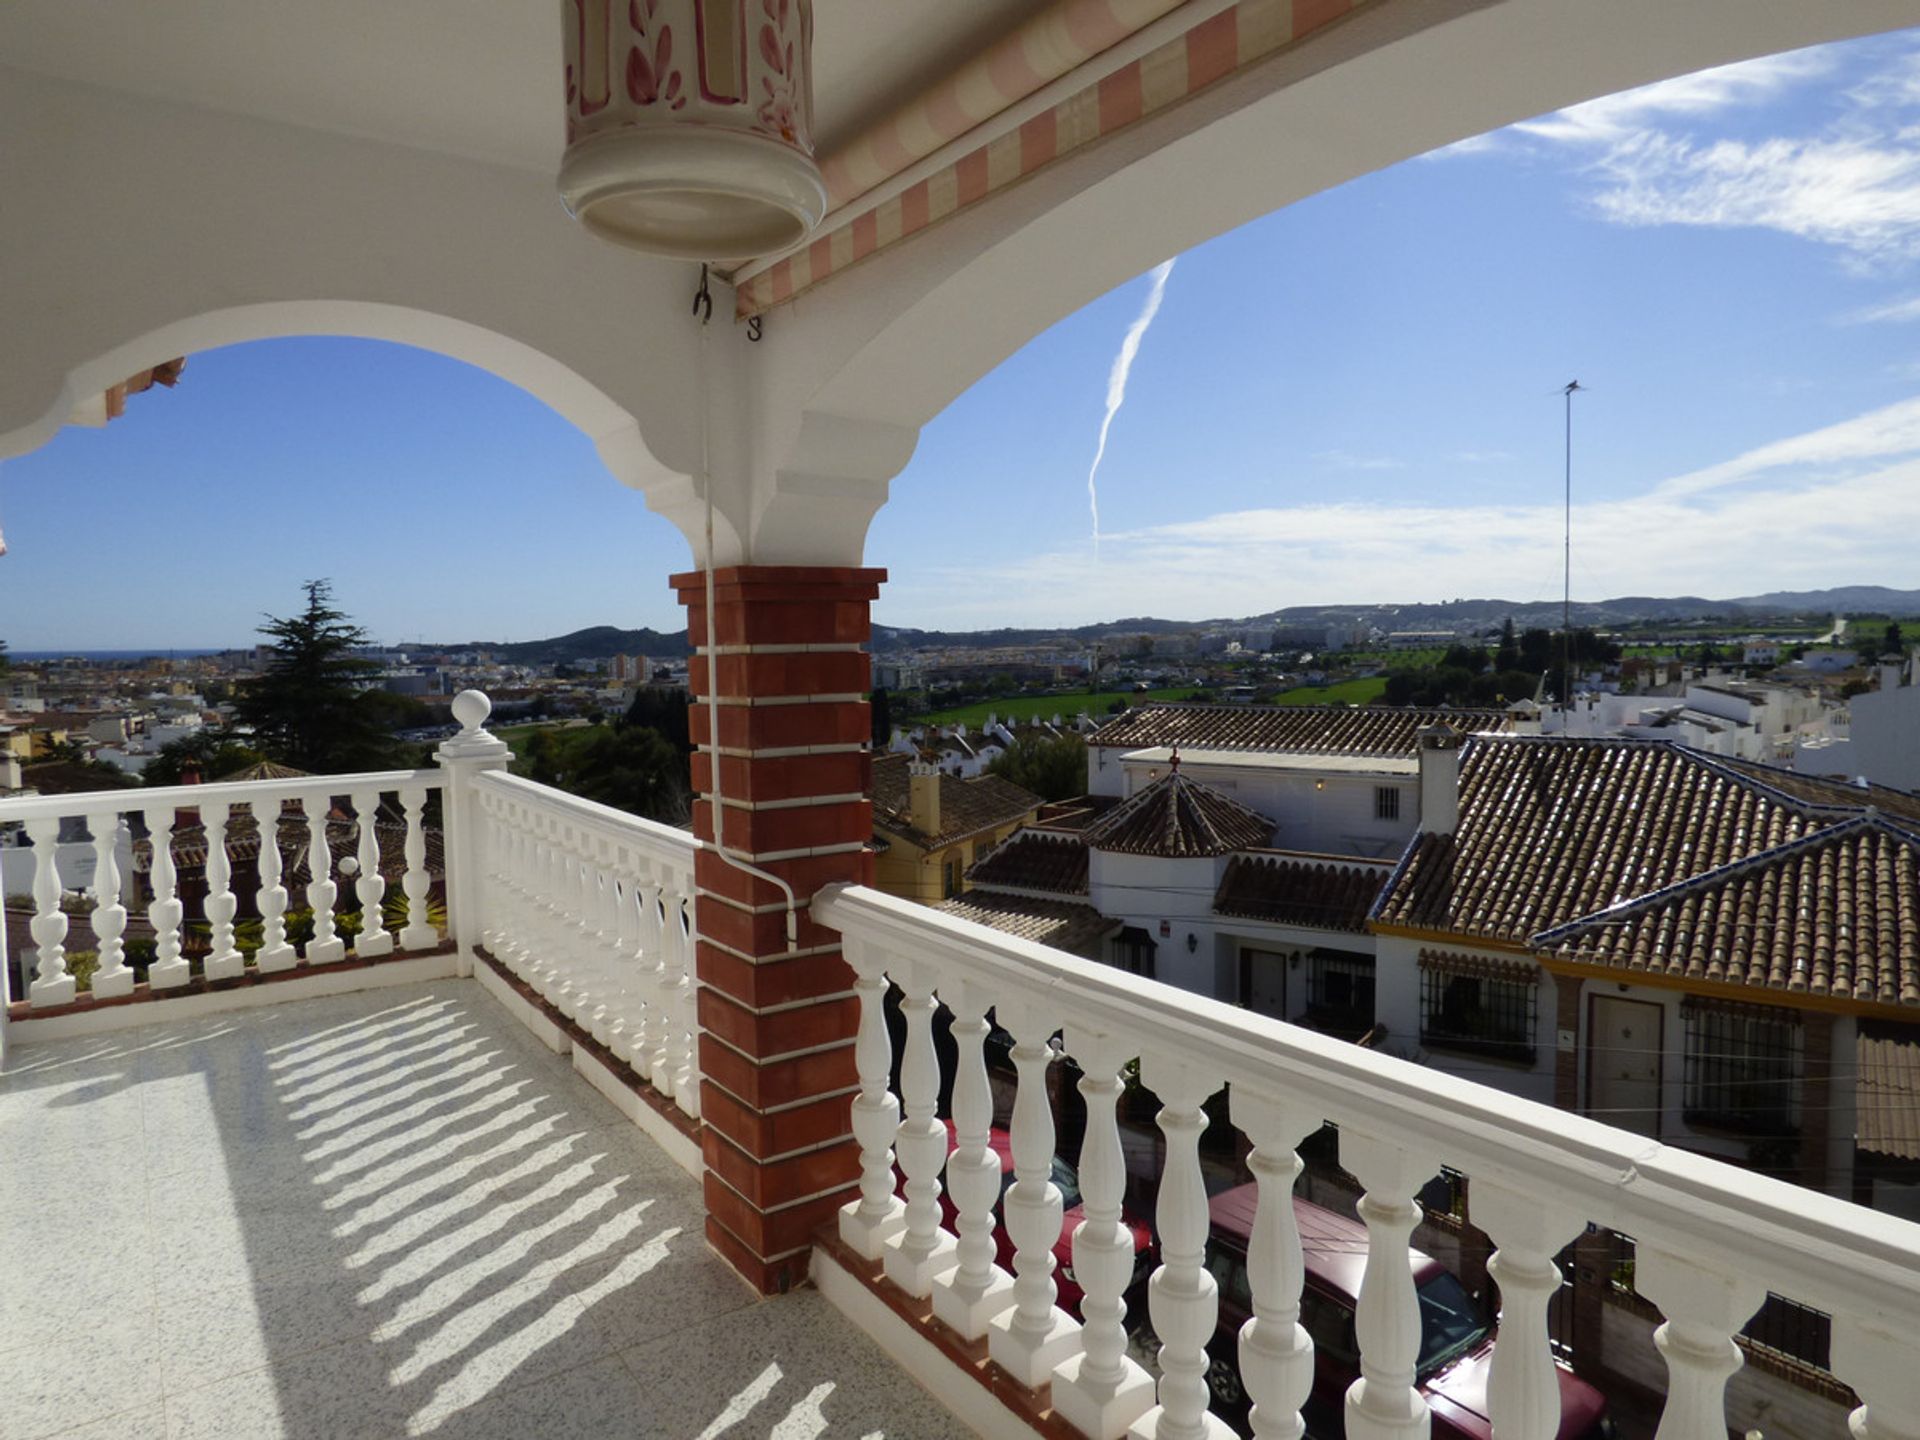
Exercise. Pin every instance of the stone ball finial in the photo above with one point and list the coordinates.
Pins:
(471, 708)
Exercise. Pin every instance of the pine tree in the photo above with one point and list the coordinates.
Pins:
(306, 710)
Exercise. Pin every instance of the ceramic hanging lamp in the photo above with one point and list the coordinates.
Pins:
(690, 125)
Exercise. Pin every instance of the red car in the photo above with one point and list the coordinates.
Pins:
(1456, 1345)
(1068, 1181)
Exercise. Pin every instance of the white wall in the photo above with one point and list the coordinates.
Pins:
(1885, 733)
(1327, 813)
(1145, 890)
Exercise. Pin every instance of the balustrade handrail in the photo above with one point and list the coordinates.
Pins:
(1815, 1248)
(187, 797)
(664, 841)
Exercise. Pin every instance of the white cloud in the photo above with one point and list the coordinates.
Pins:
(1893, 311)
(1833, 531)
(1878, 435)
(1613, 119)
(1345, 460)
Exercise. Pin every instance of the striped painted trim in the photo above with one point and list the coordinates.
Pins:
(1211, 51)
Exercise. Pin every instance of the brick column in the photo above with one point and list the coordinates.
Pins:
(1816, 1098)
(777, 1026)
(1566, 1062)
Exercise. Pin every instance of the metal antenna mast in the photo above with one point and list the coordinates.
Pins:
(1566, 593)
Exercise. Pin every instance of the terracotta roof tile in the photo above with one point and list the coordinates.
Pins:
(1077, 929)
(1179, 818)
(1836, 912)
(1293, 890)
(1287, 729)
(967, 807)
(1035, 860)
(1888, 1097)
(1552, 829)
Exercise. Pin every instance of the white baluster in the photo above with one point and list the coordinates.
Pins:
(325, 947)
(169, 966)
(1880, 1367)
(649, 1047)
(274, 952)
(418, 933)
(1704, 1309)
(1100, 1392)
(1034, 1335)
(867, 1223)
(1383, 1403)
(1276, 1353)
(1182, 1297)
(623, 936)
(1523, 1391)
(369, 885)
(224, 962)
(975, 1289)
(684, 1009)
(923, 1249)
(51, 984)
(114, 977)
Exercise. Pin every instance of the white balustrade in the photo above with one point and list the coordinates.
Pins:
(211, 943)
(224, 960)
(1705, 1305)
(1523, 1392)
(922, 1250)
(51, 984)
(587, 905)
(1183, 1297)
(325, 947)
(369, 885)
(1100, 1391)
(170, 967)
(1034, 1336)
(1276, 1352)
(976, 1289)
(114, 977)
(1712, 1239)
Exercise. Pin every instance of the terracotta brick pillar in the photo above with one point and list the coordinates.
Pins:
(777, 1025)
(1816, 1099)
(1566, 1062)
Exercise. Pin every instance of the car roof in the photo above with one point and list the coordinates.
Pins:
(1333, 1247)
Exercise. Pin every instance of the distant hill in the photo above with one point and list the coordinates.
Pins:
(601, 640)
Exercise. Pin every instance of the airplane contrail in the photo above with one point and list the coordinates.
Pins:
(1117, 381)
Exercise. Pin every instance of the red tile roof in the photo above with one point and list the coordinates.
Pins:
(1177, 817)
(1044, 860)
(1552, 829)
(1836, 912)
(1294, 890)
(967, 807)
(1062, 924)
(1287, 729)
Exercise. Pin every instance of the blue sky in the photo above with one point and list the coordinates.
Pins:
(1353, 399)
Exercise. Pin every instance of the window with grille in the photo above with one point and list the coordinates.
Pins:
(1340, 992)
(1480, 1013)
(1743, 1067)
(1386, 802)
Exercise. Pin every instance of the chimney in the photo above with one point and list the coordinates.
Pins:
(923, 796)
(1439, 779)
(1890, 676)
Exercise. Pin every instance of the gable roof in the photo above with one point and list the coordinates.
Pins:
(1551, 829)
(1179, 818)
(1287, 729)
(967, 807)
(1287, 889)
(1035, 860)
(1836, 912)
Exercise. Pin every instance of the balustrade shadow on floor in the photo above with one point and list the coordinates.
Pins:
(385, 1214)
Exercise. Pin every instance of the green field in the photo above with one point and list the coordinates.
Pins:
(1347, 692)
(1043, 707)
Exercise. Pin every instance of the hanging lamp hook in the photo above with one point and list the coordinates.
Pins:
(703, 299)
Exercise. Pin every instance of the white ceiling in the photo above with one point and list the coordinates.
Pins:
(469, 77)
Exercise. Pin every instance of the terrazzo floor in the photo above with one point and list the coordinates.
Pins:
(385, 1214)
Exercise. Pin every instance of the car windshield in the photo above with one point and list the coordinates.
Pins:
(1449, 1323)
